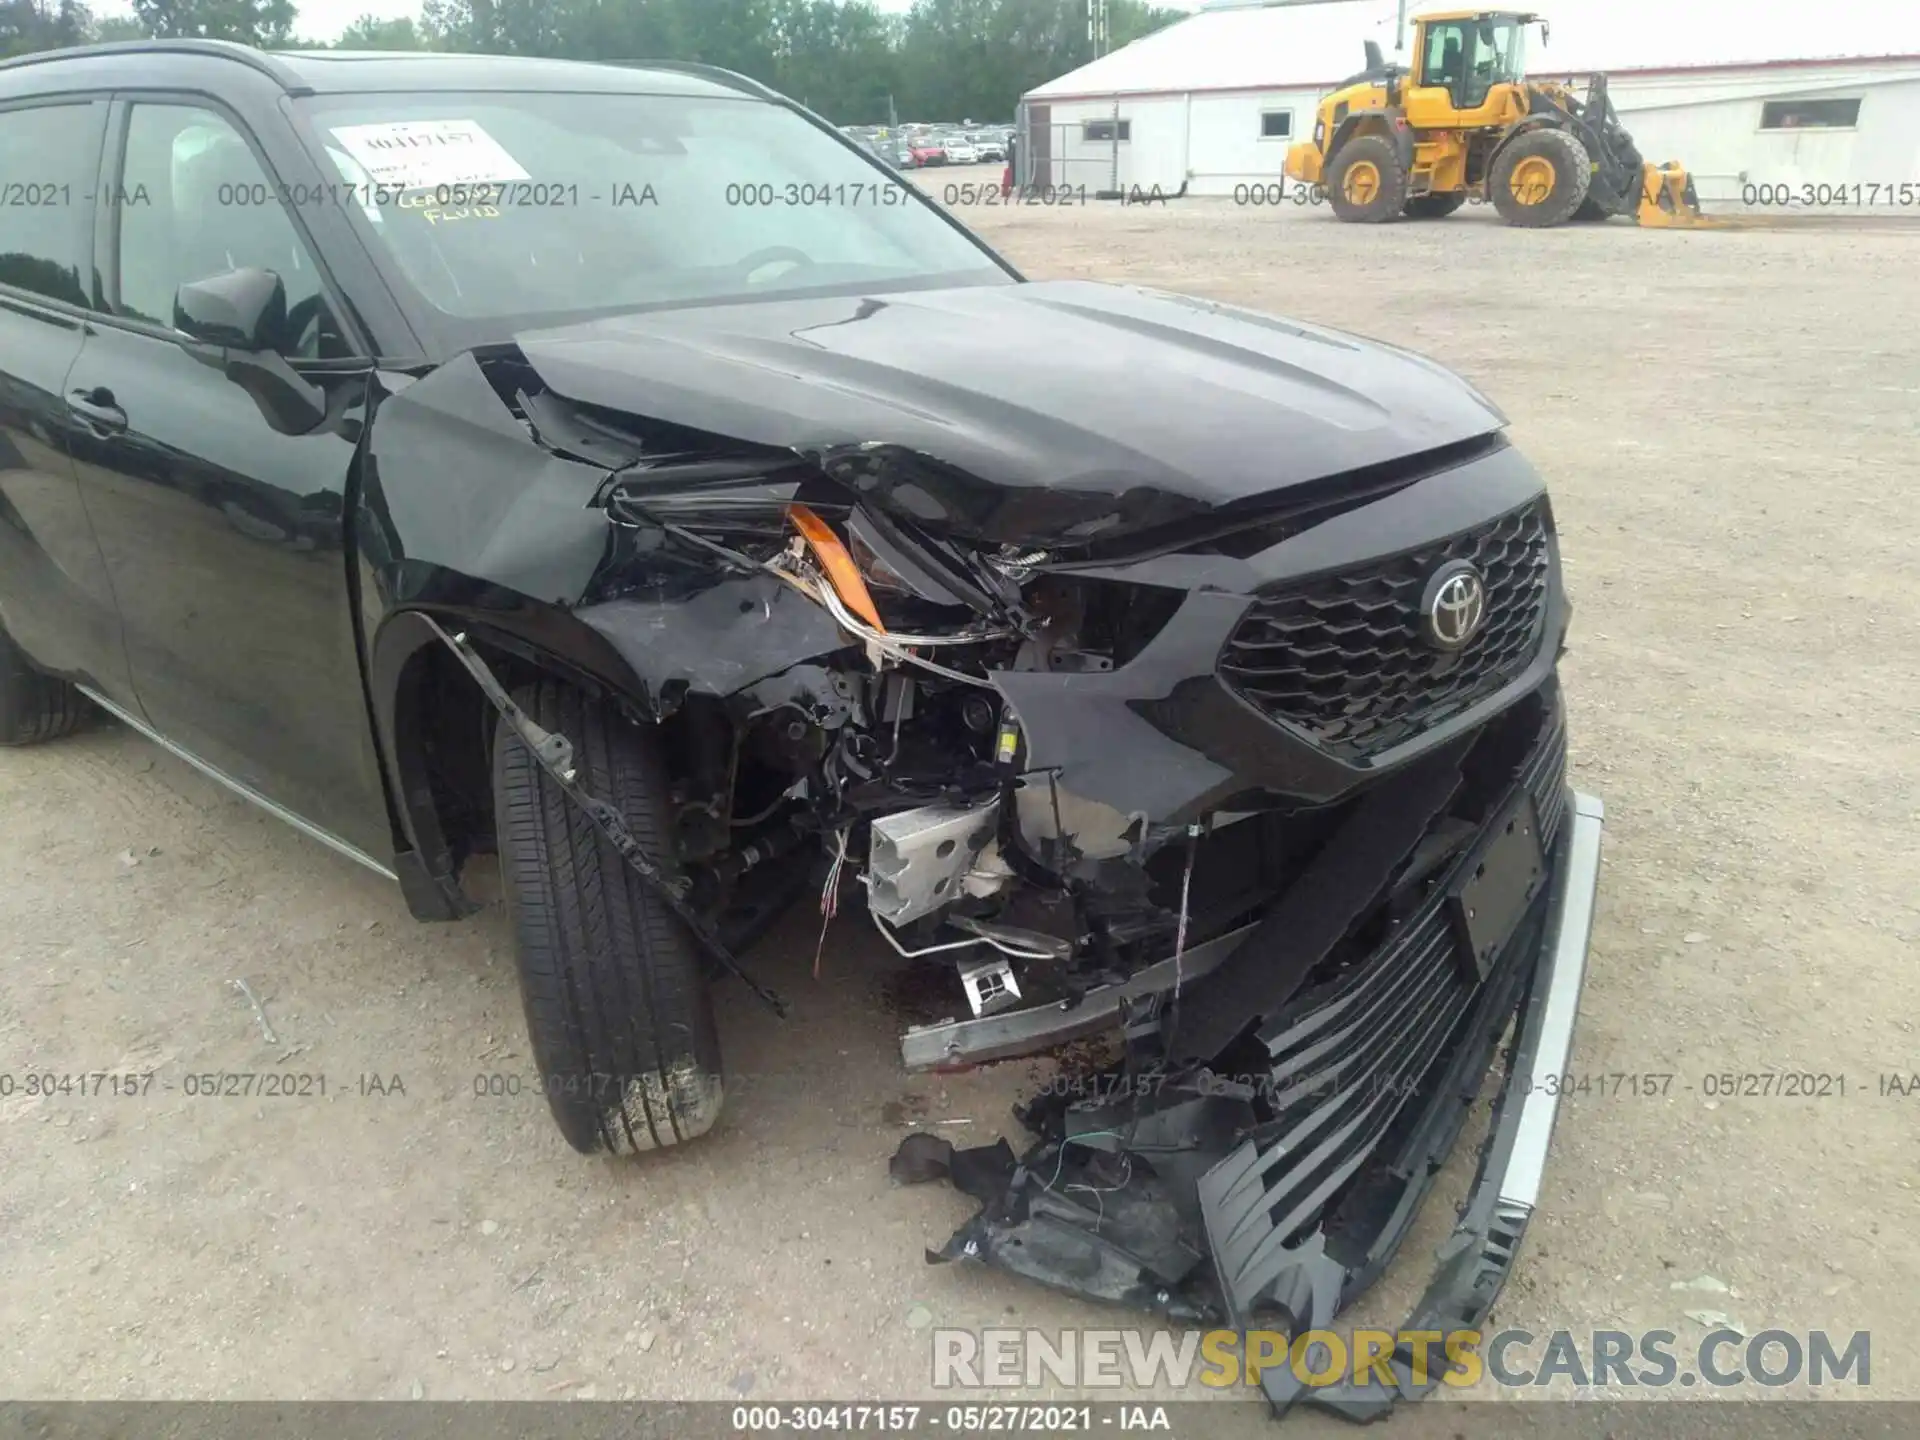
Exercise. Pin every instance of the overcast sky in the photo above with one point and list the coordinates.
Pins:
(325, 19)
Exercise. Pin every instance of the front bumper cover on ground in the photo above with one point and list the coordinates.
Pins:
(1477, 1256)
(1188, 1207)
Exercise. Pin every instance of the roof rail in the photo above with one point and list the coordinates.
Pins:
(259, 60)
(732, 79)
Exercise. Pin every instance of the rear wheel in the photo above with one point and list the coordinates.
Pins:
(1434, 207)
(1366, 181)
(1541, 179)
(617, 1005)
(34, 707)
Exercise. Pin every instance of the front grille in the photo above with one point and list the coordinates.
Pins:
(1545, 775)
(1341, 656)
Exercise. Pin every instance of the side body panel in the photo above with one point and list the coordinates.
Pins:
(55, 597)
(225, 539)
(226, 546)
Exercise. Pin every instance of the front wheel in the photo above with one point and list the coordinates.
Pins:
(1366, 181)
(1541, 179)
(617, 1004)
(34, 707)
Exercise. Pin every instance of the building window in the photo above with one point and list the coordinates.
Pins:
(1103, 130)
(1810, 114)
(1276, 124)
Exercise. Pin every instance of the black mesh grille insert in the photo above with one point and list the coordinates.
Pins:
(1342, 656)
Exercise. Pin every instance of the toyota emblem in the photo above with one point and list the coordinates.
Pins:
(1454, 606)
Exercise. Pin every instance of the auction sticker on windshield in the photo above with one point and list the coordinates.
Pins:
(423, 154)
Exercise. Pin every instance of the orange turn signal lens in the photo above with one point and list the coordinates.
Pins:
(834, 559)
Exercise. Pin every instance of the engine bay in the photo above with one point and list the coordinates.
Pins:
(900, 758)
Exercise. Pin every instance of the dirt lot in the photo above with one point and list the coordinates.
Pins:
(1729, 424)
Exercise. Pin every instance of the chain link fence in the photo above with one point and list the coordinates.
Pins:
(1081, 156)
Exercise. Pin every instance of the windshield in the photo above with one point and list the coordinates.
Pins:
(1470, 57)
(504, 211)
(1503, 49)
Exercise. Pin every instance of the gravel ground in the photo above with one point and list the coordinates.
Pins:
(1728, 422)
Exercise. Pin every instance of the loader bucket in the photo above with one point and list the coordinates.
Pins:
(1668, 200)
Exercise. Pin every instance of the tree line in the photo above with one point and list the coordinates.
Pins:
(942, 60)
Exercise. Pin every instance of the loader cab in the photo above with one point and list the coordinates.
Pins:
(1468, 67)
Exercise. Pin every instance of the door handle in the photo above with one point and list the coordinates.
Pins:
(97, 408)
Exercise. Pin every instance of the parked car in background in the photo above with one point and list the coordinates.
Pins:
(927, 151)
(991, 149)
(960, 150)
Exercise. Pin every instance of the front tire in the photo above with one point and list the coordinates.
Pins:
(34, 707)
(617, 1005)
(1541, 179)
(1366, 182)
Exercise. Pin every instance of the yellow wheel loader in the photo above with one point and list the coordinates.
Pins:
(1463, 123)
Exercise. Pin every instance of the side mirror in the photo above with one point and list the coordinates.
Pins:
(240, 310)
(1375, 60)
(234, 322)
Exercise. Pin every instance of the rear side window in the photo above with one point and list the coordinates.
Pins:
(47, 155)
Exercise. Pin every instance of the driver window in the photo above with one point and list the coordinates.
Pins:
(1446, 56)
(194, 202)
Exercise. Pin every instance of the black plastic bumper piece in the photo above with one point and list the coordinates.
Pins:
(1270, 1202)
(1541, 978)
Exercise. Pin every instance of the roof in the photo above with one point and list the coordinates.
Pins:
(326, 71)
(360, 71)
(1314, 44)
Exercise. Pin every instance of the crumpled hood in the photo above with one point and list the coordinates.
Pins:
(1041, 413)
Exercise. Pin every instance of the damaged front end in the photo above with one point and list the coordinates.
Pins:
(1311, 981)
(1266, 1184)
(1272, 788)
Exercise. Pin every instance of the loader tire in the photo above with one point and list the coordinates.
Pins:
(1541, 179)
(1434, 207)
(34, 707)
(1366, 181)
(617, 1004)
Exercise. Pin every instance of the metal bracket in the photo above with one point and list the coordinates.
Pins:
(554, 752)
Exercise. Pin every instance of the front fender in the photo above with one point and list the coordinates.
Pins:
(1537, 121)
(465, 515)
(1390, 124)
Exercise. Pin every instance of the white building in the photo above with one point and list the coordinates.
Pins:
(1777, 92)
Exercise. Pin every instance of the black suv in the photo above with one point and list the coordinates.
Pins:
(616, 470)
